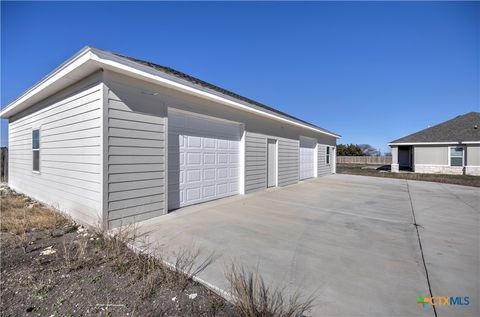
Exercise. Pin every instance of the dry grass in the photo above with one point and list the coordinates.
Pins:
(466, 180)
(253, 298)
(91, 256)
(151, 268)
(187, 263)
(19, 215)
(75, 253)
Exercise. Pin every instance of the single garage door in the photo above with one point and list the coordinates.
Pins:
(307, 157)
(203, 159)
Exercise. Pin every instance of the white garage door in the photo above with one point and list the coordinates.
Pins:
(203, 159)
(307, 157)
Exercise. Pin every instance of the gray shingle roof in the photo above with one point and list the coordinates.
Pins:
(459, 129)
(218, 90)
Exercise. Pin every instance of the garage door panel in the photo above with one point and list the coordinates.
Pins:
(209, 174)
(209, 143)
(233, 159)
(209, 191)
(222, 158)
(194, 158)
(194, 142)
(233, 172)
(193, 194)
(210, 166)
(222, 144)
(222, 173)
(193, 176)
(307, 157)
(222, 189)
(209, 158)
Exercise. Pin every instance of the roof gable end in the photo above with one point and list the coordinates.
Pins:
(463, 128)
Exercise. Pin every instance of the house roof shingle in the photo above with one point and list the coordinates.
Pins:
(200, 83)
(459, 129)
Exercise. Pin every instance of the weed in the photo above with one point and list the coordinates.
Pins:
(253, 298)
(96, 278)
(75, 253)
(215, 306)
(187, 264)
(42, 289)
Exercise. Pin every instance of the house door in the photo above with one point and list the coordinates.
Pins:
(271, 163)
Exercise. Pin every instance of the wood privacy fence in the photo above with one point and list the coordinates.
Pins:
(374, 160)
(4, 164)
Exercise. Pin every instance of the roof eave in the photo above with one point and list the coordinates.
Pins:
(42, 87)
(433, 143)
(97, 59)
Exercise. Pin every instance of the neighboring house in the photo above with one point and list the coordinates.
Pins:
(111, 139)
(451, 147)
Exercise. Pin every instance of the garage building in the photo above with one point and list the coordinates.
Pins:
(111, 139)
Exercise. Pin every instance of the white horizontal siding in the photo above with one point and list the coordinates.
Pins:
(323, 168)
(255, 162)
(70, 152)
(288, 162)
(136, 157)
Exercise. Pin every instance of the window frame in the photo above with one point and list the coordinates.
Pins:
(36, 150)
(327, 156)
(450, 155)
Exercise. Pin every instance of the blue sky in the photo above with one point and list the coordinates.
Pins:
(371, 71)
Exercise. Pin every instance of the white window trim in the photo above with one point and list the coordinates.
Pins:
(450, 156)
(38, 150)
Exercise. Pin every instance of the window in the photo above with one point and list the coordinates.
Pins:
(36, 150)
(328, 155)
(456, 156)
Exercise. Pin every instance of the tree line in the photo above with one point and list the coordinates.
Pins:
(358, 150)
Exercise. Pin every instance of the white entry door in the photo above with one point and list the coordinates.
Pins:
(203, 159)
(307, 157)
(271, 163)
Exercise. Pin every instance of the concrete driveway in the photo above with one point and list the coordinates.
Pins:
(349, 239)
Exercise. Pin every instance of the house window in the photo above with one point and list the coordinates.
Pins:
(36, 150)
(456, 156)
(328, 155)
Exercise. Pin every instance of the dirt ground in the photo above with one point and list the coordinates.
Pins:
(52, 267)
(384, 171)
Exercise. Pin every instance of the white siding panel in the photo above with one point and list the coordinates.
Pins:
(323, 168)
(133, 116)
(136, 157)
(61, 110)
(134, 202)
(70, 149)
(132, 142)
(255, 162)
(288, 162)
